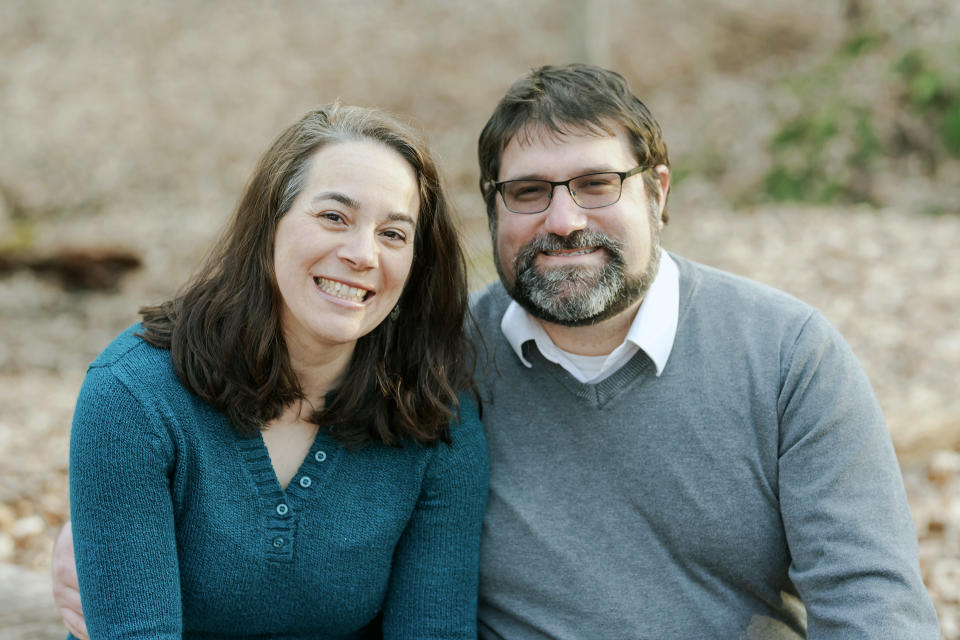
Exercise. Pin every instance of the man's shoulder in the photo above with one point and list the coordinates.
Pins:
(488, 305)
(723, 290)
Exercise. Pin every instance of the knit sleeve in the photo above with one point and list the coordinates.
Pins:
(120, 463)
(433, 581)
(851, 538)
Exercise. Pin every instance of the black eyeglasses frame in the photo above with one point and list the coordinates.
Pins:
(498, 186)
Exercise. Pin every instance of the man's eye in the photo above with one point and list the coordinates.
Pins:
(528, 191)
(595, 183)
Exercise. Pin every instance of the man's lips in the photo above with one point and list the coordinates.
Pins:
(567, 253)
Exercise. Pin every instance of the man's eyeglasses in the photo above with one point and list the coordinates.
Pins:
(589, 191)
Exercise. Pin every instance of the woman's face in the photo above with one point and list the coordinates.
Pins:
(343, 251)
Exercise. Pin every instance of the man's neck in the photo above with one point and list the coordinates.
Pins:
(593, 340)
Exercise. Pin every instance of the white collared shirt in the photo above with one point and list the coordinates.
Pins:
(653, 330)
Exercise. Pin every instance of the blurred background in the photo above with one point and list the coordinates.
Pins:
(815, 147)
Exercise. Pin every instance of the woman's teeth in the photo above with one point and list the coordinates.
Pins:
(340, 290)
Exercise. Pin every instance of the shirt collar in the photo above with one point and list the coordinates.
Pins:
(653, 328)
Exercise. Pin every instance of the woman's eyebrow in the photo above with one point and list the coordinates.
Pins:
(347, 201)
(402, 217)
(337, 196)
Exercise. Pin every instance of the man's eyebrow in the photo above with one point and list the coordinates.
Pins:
(337, 196)
(579, 172)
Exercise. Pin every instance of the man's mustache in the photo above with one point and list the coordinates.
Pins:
(581, 239)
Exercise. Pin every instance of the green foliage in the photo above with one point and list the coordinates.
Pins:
(951, 128)
(799, 172)
(781, 184)
(21, 235)
(866, 143)
(801, 150)
(861, 43)
(826, 153)
(909, 64)
(933, 93)
(806, 185)
(812, 132)
(679, 173)
(927, 88)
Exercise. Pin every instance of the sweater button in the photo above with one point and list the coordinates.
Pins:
(320, 456)
(282, 509)
(278, 541)
(305, 482)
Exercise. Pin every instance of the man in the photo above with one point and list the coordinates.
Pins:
(676, 452)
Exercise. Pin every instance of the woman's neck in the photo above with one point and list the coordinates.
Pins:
(319, 369)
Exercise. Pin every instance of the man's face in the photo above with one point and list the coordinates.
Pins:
(573, 266)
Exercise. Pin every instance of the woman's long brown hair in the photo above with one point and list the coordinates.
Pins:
(223, 329)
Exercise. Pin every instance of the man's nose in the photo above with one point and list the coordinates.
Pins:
(359, 250)
(564, 216)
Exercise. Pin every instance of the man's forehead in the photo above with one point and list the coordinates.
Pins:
(536, 133)
(552, 153)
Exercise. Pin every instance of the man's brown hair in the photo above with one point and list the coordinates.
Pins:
(574, 98)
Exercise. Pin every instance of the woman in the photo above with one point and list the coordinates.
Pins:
(271, 453)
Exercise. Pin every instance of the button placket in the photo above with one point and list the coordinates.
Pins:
(281, 534)
(317, 470)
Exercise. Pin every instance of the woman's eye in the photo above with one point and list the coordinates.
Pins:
(393, 234)
(332, 216)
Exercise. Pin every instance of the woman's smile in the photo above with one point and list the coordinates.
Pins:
(341, 290)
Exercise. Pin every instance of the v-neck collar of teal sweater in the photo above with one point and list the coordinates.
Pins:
(284, 505)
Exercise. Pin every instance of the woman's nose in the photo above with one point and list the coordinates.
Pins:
(359, 250)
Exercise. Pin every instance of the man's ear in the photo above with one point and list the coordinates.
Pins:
(663, 182)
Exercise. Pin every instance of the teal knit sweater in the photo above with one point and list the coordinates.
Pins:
(181, 529)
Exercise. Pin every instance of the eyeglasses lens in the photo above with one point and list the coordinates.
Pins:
(526, 196)
(596, 190)
(590, 192)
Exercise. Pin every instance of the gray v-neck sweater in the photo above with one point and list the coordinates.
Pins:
(749, 491)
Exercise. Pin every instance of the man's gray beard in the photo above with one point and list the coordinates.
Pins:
(576, 296)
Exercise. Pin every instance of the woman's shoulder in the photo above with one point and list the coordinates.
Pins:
(137, 365)
(126, 395)
(468, 416)
(468, 444)
(134, 386)
(129, 347)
